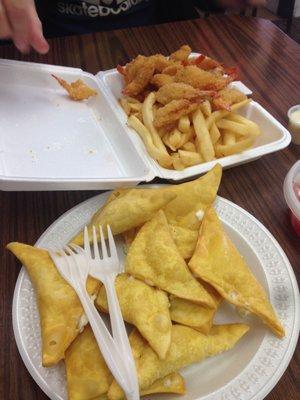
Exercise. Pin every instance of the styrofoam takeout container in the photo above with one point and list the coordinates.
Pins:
(292, 178)
(49, 142)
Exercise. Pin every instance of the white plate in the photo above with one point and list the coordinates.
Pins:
(249, 371)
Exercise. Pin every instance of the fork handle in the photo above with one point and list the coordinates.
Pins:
(120, 335)
(105, 342)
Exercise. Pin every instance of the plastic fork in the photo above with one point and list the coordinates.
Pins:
(106, 268)
(72, 264)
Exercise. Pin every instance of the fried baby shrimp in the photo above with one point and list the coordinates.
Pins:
(77, 90)
(172, 111)
(181, 54)
(160, 62)
(173, 68)
(141, 78)
(200, 79)
(226, 98)
(160, 80)
(203, 62)
(179, 90)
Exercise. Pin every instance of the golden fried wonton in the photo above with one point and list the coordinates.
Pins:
(172, 383)
(88, 376)
(59, 307)
(181, 212)
(145, 307)
(87, 373)
(187, 347)
(218, 262)
(154, 258)
(198, 317)
(128, 210)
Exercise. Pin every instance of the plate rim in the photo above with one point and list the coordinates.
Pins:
(263, 391)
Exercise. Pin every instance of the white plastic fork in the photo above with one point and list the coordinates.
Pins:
(106, 269)
(72, 264)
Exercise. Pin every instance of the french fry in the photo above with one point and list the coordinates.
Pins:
(214, 134)
(235, 127)
(206, 108)
(163, 159)
(125, 105)
(217, 115)
(185, 137)
(223, 150)
(132, 100)
(138, 114)
(206, 147)
(135, 106)
(190, 158)
(189, 146)
(252, 126)
(177, 163)
(173, 139)
(147, 113)
(184, 124)
(228, 138)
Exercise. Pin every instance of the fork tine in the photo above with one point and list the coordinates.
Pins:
(111, 242)
(103, 244)
(76, 248)
(95, 243)
(67, 249)
(87, 246)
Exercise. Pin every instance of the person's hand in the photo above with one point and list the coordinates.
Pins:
(20, 23)
(241, 3)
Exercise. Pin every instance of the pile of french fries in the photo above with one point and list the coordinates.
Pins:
(202, 136)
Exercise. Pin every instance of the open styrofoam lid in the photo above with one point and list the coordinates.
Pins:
(47, 137)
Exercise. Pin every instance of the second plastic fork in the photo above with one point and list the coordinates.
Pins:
(106, 269)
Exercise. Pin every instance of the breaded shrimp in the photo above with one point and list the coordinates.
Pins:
(226, 98)
(179, 90)
(181, 54)
(200, 79)
(77, 90)
(160, 80)
(173, 111)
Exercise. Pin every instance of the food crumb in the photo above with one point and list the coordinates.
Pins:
(233, 295)
(167, 383)
(200, 215)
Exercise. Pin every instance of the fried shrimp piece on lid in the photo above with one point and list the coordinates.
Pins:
(172, 111)
(77, 90)
(179, 90)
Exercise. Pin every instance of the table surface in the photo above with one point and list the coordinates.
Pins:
(269, 64)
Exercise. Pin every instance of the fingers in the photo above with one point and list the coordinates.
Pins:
(5, 30)
(36, 37)
(26, 28)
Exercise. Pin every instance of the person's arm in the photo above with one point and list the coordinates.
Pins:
(20, 23)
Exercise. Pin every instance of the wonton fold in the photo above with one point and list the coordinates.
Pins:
(218, 262)
(89, 378)
(187, 347)
(194, 315)
(129, 208)
(145, 307)
(154, 258)
(59, 307)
